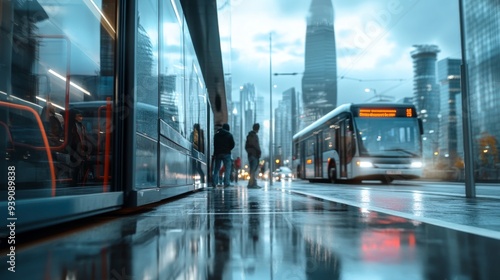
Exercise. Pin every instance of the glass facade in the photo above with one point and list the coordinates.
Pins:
(172, 102)
(482, 42)
(146, 80)
(284, 127)
(56, 90)
(319, 85)
(450, 144)
(61, 80)
(426, 98)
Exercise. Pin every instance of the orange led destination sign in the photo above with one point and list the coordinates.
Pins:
(377, 113)
(385, 112)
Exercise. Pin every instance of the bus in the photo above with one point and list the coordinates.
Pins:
(356, 142)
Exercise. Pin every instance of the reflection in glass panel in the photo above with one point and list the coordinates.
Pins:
(482, 39)
(147, 94)
(56, 77)
(172, 67)
(192, 88)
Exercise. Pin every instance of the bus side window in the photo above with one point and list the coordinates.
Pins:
(329, 139)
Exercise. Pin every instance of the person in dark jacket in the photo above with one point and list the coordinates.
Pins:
(79, 149)
(53, 126)
(223, 144)
(198, 146)
(252, 147)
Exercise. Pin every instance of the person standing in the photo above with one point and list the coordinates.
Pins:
(223, 144)
(198, 146)
(53, 126)
(252, 147)
(79, 149)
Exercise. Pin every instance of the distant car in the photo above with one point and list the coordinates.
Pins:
(282, 173)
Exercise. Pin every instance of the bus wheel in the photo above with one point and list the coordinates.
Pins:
(332, 173)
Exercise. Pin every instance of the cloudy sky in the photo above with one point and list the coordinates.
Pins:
(374, 39)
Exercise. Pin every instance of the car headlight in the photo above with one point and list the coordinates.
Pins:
(416, 164)
(364, 164)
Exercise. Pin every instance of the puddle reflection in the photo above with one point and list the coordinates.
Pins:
(247, 234)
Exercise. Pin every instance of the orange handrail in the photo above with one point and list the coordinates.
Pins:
(44, 138)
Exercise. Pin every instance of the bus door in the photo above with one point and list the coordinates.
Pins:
(343, 146)
(310, 157)
(298, 159)
(318, 159)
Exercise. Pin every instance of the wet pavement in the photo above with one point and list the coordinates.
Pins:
(442, 204)
(278, 232)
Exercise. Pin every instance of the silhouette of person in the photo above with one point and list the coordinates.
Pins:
(78, 146)
(52, 125)
(198, 146)
(223, 144)
(252, 147)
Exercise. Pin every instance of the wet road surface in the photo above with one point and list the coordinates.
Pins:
(270, 233)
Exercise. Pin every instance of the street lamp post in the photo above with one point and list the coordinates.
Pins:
(242, 136)
(470, 184)
(270, 112)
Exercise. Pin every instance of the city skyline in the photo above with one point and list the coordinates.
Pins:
(374, 41)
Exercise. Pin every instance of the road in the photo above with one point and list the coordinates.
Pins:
(438, 203)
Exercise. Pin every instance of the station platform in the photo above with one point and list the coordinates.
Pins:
(290, 230)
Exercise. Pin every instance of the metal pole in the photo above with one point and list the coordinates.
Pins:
(470, 187)
(242, 139)
(270, 112)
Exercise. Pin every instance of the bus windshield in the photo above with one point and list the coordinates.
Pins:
(388, 137)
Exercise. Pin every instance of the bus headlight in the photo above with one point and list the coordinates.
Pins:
(364, 164)
(416, 164)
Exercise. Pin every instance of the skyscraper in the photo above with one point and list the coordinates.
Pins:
(247, 108)
(237, 129)
(319, 83)
(290, 97)
(482, 46)
(247, 103)
(426, 96)
(285, 122)
(450, 124)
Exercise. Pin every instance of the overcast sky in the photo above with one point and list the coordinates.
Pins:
(374, 39)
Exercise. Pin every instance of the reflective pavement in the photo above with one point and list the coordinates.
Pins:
(269, 233)
(442, 204)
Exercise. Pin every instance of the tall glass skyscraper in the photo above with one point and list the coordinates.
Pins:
(426, 96)
(286, 116)
(248, 100)
(319, 83)
(482, 39)
(450, 133)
